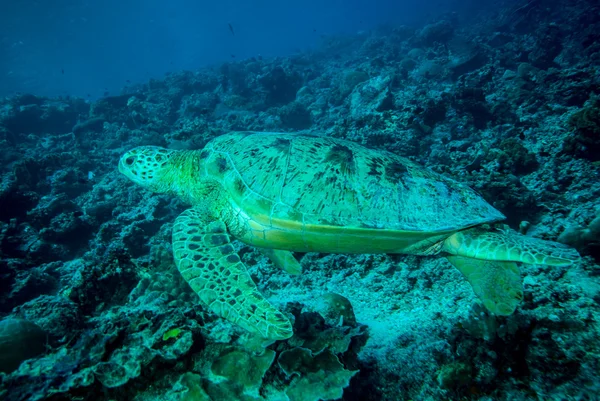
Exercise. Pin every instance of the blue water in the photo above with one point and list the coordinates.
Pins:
(90, 47)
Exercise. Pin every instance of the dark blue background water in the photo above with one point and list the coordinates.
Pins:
(88, 47)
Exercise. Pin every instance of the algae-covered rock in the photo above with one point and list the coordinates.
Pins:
(454, 375)
(295, 116)
(350, 79)
(584, 239)
(441, 31)
(19, 340)
(516, 158)
(339, 309)
(58, 316)
(584, 142)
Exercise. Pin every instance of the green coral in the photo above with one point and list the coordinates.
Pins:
(151, 355)
(318, 376)
(243, 369)
(189, 388)
(308, 367)
(231, 373)
(454, 375)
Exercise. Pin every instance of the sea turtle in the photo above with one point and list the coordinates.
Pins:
(284, 192)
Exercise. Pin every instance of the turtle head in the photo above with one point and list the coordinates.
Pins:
(149, 166)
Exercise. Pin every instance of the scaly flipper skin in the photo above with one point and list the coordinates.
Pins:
(487, 260)
(208, 262)
(479, 243)
(497, 284)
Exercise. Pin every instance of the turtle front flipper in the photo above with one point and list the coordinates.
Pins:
(285, 260)
(497, 284)
(208, 262)
(502, 245)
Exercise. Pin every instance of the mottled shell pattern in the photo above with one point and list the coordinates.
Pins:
(326, 181)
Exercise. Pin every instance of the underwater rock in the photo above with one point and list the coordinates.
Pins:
(585, 138)
(466, 63)
(515, 158)
(349, 81)
(29, 114)
(59, 317)
(295, 116)
(547, 47)
(15, 201)
(19, 340)
(434, 111)
(428, 70)
(198, 104)
(371, 97)
(94, 285)
(585, 239)
(281, 86)
(455, 375)
(441, 31)
(471, 100)
(93, 125)
(337, 310)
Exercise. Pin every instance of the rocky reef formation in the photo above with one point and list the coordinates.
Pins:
(90, 296)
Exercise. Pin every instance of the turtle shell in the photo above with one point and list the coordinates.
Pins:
(326, 181)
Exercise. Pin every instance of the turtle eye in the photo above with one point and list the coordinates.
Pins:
(129, 161)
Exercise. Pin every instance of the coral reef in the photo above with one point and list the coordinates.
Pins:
(93, 308)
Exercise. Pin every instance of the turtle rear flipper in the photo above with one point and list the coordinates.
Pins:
(208, 262)
(500, 245)
(497, 284)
